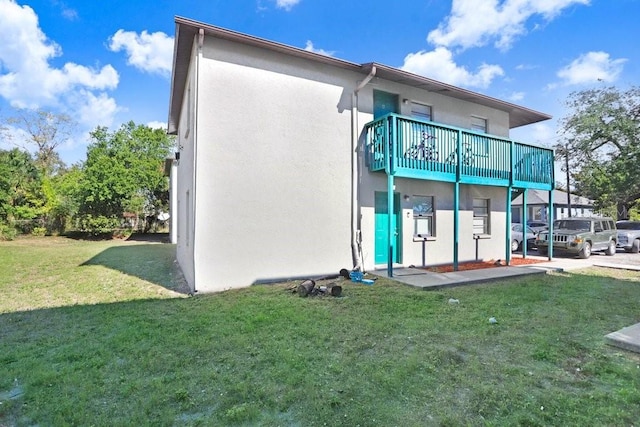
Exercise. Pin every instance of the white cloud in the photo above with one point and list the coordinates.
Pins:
(516, 96)
(150, 52)
(286, 4)
(542, 133)
(157, 125)
(592, 67)
(95, 110)
(474, 23)
(310, 48)
(66, 12)
(27, 79)
(439, 65)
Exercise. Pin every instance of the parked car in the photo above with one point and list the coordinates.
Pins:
(580, 236)
(629, 235)
(538, 226)
(516, 237)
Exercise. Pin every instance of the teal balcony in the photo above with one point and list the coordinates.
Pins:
(411, 148)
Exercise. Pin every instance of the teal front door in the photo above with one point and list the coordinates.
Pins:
(382, 228)
(384, 103)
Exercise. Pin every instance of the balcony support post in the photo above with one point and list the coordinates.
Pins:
(456, 223)
(456, 202)
(524, 223)
(509, 220)
(551, 209)
(391, 226)
(391, 156)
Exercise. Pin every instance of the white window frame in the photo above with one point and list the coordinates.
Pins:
(479, 124)
(481, 217)
(424, 217)
(426, 115)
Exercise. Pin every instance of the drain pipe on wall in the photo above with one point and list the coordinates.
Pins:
(356, 234)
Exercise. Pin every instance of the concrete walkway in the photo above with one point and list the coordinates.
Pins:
(627, 338)
(429, 280)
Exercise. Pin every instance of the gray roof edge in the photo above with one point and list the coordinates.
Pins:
(518, 115)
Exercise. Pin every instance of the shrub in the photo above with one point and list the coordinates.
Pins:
(99, 224)
(39, 231)
(7, 232)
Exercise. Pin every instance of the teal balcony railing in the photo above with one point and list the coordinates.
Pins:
(412, 148)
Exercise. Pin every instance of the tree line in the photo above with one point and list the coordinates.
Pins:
(601, 144)
(120, 187)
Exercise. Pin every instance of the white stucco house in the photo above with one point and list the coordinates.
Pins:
(289, 164)
(564, 205)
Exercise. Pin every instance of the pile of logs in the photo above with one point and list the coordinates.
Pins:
(309, 288)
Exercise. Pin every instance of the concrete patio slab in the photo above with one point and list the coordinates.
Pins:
(626, 338)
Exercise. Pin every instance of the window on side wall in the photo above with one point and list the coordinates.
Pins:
(423, 217)
(481, 216)
(421, 111)
(479, 124)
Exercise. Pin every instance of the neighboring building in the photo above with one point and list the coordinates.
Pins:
(290, 162)
(538, 204)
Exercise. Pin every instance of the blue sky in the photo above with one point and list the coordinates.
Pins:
(105, 63)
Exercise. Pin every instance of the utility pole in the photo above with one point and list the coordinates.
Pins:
(566, 167)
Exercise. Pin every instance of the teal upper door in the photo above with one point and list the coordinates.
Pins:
(384, 103)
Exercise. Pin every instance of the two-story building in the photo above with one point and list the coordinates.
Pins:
(293, 164)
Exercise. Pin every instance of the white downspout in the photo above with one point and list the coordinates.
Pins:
(356, 235)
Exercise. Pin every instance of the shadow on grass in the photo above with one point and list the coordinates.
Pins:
(151, 262)
(387, 354)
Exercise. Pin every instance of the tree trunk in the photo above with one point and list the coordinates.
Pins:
(623, 211)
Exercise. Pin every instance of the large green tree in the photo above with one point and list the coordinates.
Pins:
(123, 173)
(41, 132)
(602, 140)
(21, 197)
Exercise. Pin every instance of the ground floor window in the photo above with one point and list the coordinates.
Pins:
(537, 213)
(481, 216)
(423, 217)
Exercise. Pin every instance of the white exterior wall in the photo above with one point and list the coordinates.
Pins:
(438, 250)
(446, 110)
(173, 203)
(185, 188)
(451, 112)
(264, 177)
(273, 168)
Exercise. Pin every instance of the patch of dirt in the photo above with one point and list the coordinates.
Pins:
(477, 265)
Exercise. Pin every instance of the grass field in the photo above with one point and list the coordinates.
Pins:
(94, 333)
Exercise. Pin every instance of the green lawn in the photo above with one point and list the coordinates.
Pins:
(93, 333)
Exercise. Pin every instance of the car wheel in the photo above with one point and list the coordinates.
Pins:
(611, 250)
(586, 251)
(543, 251)
(514, 245)
(635, 247)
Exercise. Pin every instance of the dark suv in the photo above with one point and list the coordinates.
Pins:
(580, 236)
(629, 235)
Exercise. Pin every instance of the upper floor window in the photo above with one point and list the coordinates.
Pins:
(479, 124)
(421, 111)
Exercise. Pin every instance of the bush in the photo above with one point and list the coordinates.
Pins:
(98, 225)
(39, 231)
(7, 232)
